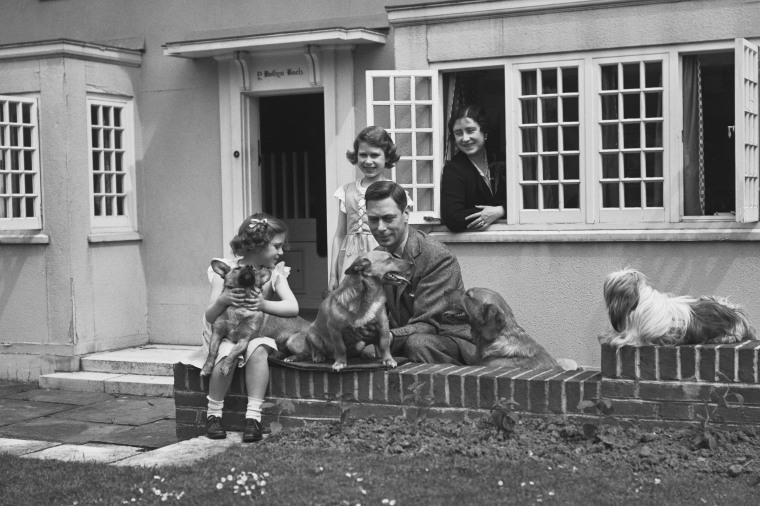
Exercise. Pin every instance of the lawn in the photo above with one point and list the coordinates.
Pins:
(401, 462)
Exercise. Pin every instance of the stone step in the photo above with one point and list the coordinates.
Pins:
(149, 360)
(128, 384)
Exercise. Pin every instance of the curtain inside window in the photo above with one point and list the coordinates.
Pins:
(693, 139)
(460, 88)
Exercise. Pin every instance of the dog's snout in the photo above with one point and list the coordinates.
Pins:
(247, 277)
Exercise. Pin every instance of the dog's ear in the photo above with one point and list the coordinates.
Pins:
(492, 314)
(220, 267)
(264, 274)
(360, 265)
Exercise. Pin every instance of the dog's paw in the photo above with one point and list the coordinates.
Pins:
(390, 363)
(291, 358)
(337, 366)
(225, 368)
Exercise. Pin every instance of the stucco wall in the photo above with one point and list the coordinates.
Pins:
(555, 289)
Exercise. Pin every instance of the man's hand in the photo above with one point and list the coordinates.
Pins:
(366, 333)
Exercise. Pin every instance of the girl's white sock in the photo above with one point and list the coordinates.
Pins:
(214, 407)
(254, 408)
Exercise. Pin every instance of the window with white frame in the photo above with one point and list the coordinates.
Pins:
(19, 164)
(111, 164)
(618, 137)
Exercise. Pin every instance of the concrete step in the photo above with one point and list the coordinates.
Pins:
(129, 384)
(150, 360)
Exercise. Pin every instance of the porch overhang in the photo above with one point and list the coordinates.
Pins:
(214, 47)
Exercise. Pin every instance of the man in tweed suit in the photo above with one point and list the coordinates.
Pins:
(415, 310)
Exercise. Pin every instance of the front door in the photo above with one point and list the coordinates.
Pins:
(291, 152)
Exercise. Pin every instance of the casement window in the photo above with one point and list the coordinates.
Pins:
(20, 201)
(599, 139)
(111, 164)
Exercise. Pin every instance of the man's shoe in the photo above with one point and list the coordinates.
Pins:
(253, 431)
(214, 428)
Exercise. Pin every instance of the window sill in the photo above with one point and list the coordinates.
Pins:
(506, 233)
(33, 238)
(102, 237)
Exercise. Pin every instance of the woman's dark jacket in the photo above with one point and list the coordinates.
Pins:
(463, 188)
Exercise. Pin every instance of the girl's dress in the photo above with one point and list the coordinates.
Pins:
(198, 358)
(358, 239)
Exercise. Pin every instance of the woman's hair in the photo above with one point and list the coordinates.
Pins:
(381, 190)
(256, 232)
(474, 112)
(375, 136)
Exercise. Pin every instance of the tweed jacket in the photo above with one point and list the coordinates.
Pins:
(463, 188)
(418, 307)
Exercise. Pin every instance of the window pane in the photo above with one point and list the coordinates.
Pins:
(29, 204)
(403, 116)
(404, 172)
(96, 183)
(570, 140)
(529, 82)
(120, 183)
(653, 135)
(94, 115)
(570, 109)
(609, 107)
(116, 116)
(117, 139)
(424, 171)
(609, 77)
(424, 201)
(402, 88)
(119, 166)
(654, 194)
(106, 161)
(425, 144)
(653, 104)
(14, 136)
(26, 113)
(631, 165)
(28, 160)
(12, 112)
(95, 143)
(632, 194)
(551, 196)
(549, 107)
(107, 132)
(571, 167)
(572, 196)
(549, 81)
(550, 167)
(29, 184)
(108, 181)
(120, 206)
(423, 117)
(550, 138)
(610, 197)
(382, 115)
(109, 206)
(631, 108)
(96, 161)
(422, 88)
(570, 80)
(654, 164)
(404, 144)
(631, 76)
(530, 197)
(380, 89)
(610, 166)
(632, 136)
(97, 204)
(653, 71)
(530, 168)
(609, 136)
(529, 140)
(106, 116)
(529, 111)
(15, 160)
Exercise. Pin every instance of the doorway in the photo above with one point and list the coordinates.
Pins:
(291, 151)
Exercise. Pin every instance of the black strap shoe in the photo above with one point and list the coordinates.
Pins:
(214, 428)
(253, 431)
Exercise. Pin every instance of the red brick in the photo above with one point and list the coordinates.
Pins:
(609, 361)
(555, 403)
(379, 386)
(364, 386)
(334, 384)
(454, 382)
(667, 360)
(348, 384)
(748, 362)
(674, 391)
(617, 389)
(677, 411)
(180, 377)
(648, 362)
(470, 394)
(196, 382)
(747, 414)
(190, 400)
(572, 395)
(394, 387)
(439, 387)
(628, 367)
(376, 410)
(276, 383)
(591, 386)
(707, 354)
(305, 385)
(688, 362)
(235, 403)
(635, 409)
(319, 384)
(521, 393)
(290, 382)
(726, 364)
(189, 416)
(487, 391)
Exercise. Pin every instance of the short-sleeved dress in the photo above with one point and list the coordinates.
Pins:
(358, 239)
(198, 358)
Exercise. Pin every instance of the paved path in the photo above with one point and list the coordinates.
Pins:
(96, 427)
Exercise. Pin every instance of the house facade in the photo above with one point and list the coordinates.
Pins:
(135, 136)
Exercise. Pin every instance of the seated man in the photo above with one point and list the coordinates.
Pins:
(415, 310)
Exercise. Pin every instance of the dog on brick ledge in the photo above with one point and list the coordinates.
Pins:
(500, 341)
(642, 315)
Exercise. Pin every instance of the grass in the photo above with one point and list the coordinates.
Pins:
(397, 462)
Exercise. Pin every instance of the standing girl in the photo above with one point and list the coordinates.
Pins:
(259, 243)
(374, 151)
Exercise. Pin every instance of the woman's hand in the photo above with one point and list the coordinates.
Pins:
(486, 216)
(238, 297)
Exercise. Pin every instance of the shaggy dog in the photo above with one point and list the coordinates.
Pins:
(642, 315)
(358, 302)
(499, 339)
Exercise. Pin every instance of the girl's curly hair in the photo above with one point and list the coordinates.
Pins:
(375, 136)
(256, 232)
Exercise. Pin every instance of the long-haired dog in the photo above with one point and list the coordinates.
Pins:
(642, 315)
(358, 302)
(499, 339)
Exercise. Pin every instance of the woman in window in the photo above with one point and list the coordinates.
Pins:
(473, 190)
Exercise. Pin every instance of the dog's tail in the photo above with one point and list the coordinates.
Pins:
(717, 320)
